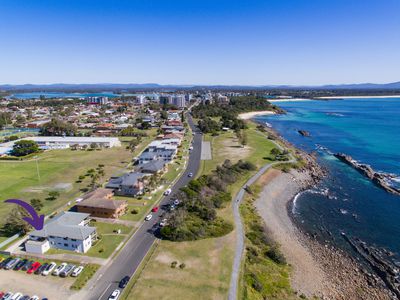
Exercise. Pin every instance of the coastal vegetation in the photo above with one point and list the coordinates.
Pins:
(196, 216)
(24, 147)
(58, 127)
(265, 272)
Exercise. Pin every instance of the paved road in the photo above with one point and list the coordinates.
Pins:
(130, 257)
(233, 287)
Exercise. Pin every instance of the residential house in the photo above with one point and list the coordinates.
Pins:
(99, 204)
(153, 167)
(130, 184)
(66, 231)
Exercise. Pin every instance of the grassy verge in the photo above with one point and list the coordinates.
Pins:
(265, 274)
(84, 277)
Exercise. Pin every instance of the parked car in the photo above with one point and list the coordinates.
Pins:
(49, 269)
(34, 267)
(59, 269)
(77, 271)
(26, 297)
(27, 266)
(167, 192)
(17, 296)
(7, 296)
(191, 148)
(155, 209)
(67, 270)
(190, 174)
(124, 281)
(34, 298)
(11, 263)
(6, 261)
(20, 264)
(148, 217)
(114, 295)
(176, 202)
(172, 207)
(41, 269)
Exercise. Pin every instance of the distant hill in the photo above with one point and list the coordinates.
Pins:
(155, 86)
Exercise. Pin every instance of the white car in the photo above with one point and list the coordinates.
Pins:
(167, 192)
(191, 148)
(59, 269)
(163, 222)
(77, 271)
(148, 217)
(114, 295)
(190, 174)
(16, 296)
(34, 298)
(7, 296)
(176, 202)
(49, 269)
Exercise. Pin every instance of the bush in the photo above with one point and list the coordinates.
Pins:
(173, 264)
(182, 266)
(134, 211)
(276, 255)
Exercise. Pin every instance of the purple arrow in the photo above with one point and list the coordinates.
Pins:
(36, 221)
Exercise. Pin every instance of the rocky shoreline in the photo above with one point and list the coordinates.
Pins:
(343, 277)
(380, 179)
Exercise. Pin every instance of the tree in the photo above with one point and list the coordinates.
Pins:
(133, 144)
(53, 195)
(164, 115)
(20, 120)
(5, 119)
(36, 204)
(24, 147)
(15, 223)
(243, 139)
(58, 127)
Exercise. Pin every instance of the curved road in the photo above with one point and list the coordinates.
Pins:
(129, 258)
(233, 287)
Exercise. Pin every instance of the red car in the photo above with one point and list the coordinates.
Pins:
(155, 209)
(1, 294)
(34, 267)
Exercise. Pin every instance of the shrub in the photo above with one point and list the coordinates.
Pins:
(276, 255)
(134, 211)
(182, 266)
(173, 264)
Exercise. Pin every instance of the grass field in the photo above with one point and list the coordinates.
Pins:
(208, 262)
(58, 170)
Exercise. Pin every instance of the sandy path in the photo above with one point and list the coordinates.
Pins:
(307, 277)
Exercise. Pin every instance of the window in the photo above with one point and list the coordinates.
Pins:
(74, 240)
(65, 245)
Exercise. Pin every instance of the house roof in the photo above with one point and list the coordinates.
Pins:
(153, 166)
(128, 179)
(66, 225)
(100, 198)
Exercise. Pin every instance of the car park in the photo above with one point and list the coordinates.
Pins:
(16, 296)
(155, 209)
(49, 269)
(67, 270)
(34, 267)
(59, 269)
(5, 262)
(148, 217)
(7, 296)
(124, 281)
(41, 269)
(77, 271)
(114, 295)
(27, 266)
(11, 263)
(20, 264)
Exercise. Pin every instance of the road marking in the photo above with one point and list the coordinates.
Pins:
(108, 286)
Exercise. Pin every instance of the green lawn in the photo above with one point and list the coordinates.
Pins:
(104, 247)
(84, 277)
(58, 170)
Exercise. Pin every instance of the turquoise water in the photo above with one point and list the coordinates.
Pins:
(36, 95)
(369, 131)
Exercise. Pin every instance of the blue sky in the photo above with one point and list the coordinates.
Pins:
(200, 42)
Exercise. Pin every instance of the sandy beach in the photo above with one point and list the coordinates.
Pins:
(252, 114)
(288, 100)
(318, 270)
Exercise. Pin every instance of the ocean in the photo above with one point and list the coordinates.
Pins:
(345, 201)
